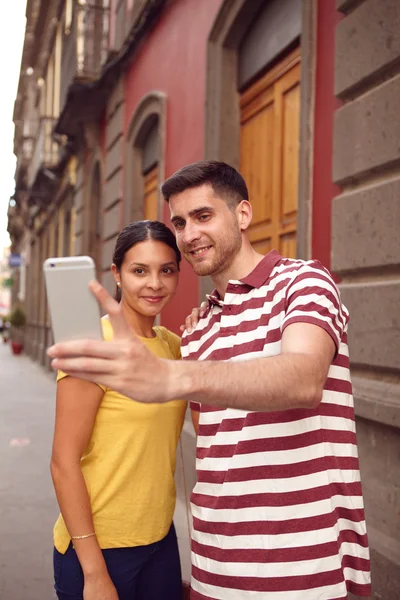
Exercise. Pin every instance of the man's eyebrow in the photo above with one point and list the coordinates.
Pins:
(196, 211)
(193, 213)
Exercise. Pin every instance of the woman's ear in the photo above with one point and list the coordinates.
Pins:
(116, 274)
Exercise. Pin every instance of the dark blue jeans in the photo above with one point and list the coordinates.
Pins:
(150, 572)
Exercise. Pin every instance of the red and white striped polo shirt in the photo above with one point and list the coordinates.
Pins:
(278, 509)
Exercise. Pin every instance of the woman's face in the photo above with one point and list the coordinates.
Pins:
(148, 277)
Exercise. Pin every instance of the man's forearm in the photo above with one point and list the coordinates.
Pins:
(275, 383)
(293, 379)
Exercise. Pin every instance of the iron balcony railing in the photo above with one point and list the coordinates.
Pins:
(45, 152)
(85, 45)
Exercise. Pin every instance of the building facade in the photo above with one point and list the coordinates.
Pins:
(301, 96)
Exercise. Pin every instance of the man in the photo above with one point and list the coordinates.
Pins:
(277, 509)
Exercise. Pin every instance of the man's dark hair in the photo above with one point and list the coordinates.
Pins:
(224, 180)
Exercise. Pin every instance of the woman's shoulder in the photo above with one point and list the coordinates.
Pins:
(166, 333)
(171, 338)
(106, 328)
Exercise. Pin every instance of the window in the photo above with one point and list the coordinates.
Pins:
(145, 160)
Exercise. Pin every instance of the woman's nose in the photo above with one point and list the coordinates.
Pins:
(155, 282)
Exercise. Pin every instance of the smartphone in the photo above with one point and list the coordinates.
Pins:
(74, 312)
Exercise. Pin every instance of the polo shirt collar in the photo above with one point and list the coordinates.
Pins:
(260, 275)
(257, 278)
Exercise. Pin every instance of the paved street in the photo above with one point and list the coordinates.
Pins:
(27, 503)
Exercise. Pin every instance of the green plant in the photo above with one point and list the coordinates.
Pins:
(17, 317)
(7, 282)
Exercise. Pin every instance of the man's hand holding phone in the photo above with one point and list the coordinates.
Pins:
(123, 364)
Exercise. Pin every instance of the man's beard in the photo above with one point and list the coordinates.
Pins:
(224, 253)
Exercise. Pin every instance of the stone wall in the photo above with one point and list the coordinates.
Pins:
(366, 255)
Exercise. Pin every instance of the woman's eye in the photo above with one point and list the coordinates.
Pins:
(139, 271)
(167, 270)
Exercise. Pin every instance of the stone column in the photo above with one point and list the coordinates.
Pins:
(366, 254)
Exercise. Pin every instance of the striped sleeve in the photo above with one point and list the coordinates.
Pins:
(313, 297)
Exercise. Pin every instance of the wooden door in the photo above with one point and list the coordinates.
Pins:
(151, 195)
(270, 116)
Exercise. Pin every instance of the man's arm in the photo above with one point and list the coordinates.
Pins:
(293, 379)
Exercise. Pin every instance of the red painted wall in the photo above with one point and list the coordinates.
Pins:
(325, 105)
(173, 60)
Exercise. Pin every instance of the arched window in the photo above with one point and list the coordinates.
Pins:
(144, 160)
(150, 158)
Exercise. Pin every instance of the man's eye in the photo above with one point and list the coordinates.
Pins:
(204, 217)
(179, 224)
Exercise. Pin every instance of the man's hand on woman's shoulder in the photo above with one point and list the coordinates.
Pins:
(192, 320)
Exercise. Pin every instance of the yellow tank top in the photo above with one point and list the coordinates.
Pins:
(129, 463)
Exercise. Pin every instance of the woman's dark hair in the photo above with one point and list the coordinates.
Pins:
(224, 180)
(140, 231)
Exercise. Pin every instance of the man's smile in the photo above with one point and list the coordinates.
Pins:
(199, 251)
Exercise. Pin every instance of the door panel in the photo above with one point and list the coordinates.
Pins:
(270, 115)
(150, 201)
(290, 147)
(255, 150)
(287, 245)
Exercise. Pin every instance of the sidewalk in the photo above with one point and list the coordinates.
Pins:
(27, 503)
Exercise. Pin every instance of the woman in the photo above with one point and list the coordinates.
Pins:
(113, 459)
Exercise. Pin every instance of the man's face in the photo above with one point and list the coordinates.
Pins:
(207, 231)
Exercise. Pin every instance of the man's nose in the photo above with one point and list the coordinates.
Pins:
(190, 234)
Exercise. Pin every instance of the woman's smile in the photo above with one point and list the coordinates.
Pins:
(153, 299)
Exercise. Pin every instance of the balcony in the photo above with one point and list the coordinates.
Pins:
(45, 152)
(85, 47)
